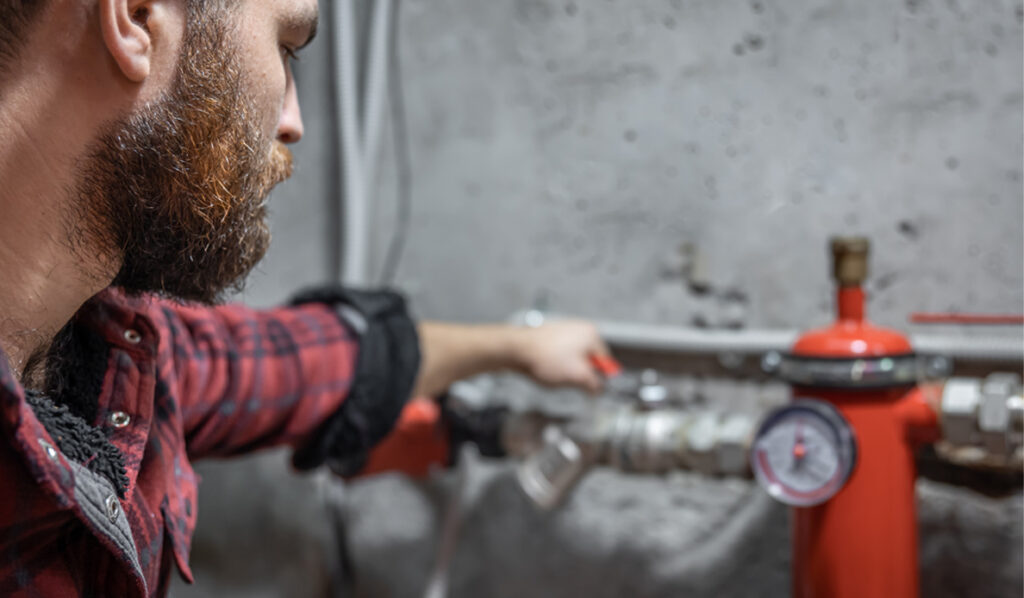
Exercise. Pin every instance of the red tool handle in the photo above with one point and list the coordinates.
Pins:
(607, 365)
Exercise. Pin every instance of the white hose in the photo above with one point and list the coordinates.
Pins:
(376, 89)
(355, 212)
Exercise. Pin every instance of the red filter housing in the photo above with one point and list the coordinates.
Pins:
(862, 542)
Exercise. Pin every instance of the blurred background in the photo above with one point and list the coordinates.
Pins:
(671, 163)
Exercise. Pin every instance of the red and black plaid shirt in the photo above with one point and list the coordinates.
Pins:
(181, 383)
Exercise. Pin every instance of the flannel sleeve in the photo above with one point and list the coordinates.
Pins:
(328, 375)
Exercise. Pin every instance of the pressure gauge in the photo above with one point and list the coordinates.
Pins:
(803, 453)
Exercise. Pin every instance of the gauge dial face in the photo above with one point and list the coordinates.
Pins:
(803, 453)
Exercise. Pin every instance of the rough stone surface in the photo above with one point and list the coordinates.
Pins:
(656, 161)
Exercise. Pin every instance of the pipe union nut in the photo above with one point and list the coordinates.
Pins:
(701, 443)
(960, 400)
(994, 410)
(734, 438)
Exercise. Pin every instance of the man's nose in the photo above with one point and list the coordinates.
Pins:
(289, 128)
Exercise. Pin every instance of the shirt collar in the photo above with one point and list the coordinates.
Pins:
(122, 321)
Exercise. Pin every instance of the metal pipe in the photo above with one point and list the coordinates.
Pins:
(691, 340)
(753, 341)
(970, 348)
(558, 454)
(680, 339)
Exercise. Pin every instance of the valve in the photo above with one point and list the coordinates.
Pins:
(983, 421)
(629, 439)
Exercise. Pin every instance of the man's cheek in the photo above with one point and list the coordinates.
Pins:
(269, 100)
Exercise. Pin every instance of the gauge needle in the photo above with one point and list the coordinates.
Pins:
(799, 450)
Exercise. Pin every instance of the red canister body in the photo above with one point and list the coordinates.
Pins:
(863, 542)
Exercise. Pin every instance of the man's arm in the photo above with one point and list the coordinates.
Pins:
(244, 379)
(555, 354)
(428, 435)
(329, 379)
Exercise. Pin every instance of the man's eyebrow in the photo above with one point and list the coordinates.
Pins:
(303, 20)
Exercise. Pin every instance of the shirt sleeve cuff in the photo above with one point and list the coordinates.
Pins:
(386, 369)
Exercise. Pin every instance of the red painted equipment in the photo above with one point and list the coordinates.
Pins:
(971, 319)
(420, 439)
(863, 541)
(418, 442)
(607, 365)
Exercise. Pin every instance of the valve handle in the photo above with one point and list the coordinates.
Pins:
(607, 365)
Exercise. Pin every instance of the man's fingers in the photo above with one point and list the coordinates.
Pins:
(570, 353)
(599, 347)
(593, 383)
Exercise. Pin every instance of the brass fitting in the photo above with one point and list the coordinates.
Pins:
(850, 260)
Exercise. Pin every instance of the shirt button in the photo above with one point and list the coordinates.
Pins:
(120, 419)
(132, 336)
(49, 450)
(113, 508)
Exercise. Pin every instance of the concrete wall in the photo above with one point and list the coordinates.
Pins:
(564, 153)
(568, 149)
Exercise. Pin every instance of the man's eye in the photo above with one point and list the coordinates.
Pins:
(289, 53)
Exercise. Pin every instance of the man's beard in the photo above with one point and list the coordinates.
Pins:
(177, 190)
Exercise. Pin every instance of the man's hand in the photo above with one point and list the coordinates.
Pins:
(561, 353)
(555, 354)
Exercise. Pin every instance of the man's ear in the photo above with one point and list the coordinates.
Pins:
(127, 36)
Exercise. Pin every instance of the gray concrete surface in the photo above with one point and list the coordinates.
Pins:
(567, 150)
(586, 154)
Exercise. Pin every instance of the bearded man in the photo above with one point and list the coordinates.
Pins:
(141, 139)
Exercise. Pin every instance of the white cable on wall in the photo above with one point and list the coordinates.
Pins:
(375, 96)
(355, 212)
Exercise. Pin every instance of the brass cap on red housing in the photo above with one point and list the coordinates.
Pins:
(850, 260)
(851, 336)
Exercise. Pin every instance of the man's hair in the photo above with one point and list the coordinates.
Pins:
(15, 19)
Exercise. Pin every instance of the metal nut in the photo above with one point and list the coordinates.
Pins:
(551, 473)
(654, 440)
(701, 437)
(1016, 407)
(733, 447)
(994, 410)
(523, 433)
(652, 395)
(771, 361)
(960, 399)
